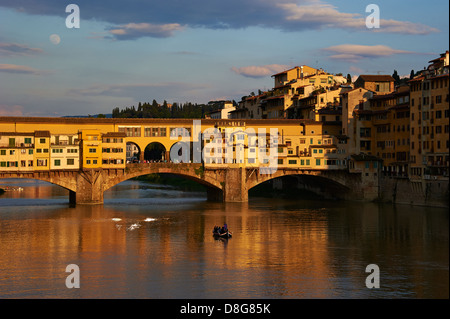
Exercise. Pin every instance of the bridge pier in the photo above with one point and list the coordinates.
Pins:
(235, 185)
(89, 187)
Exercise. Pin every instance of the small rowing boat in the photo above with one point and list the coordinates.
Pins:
(221, 233)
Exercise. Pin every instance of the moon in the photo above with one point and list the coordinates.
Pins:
(55, 39)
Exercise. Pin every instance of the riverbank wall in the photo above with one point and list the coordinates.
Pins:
(432, 193)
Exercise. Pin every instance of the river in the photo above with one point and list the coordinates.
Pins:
(153, 241)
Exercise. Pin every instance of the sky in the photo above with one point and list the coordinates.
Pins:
(126, 52)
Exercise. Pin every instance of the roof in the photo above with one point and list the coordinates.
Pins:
(376, 78)
(295, 67)
(352, 90)
(115, 134)
(42, 133)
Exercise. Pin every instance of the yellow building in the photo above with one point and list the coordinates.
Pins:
(65, 152)
(429, 104)
(113, 150)
(16, 151)
(90, 149)
(42, 150)
(390, 130)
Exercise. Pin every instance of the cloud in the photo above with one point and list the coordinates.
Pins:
(15, 49)
(157, 18)
(355, 52)
(319, 15)
(132, 31)
(11, 110)
(20, 69)
(260, 71)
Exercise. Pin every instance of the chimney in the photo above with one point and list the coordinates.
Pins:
(301, 72)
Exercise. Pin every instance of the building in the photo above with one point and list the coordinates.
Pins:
(113, 150)
(429, 105)
(90, 149)
(17, 151)
(390, 130)
(356, 120)
(380, 84)
(64, 152)
(222, 112)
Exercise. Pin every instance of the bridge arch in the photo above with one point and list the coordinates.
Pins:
(68, 183)
(133, 151)
(316, 181)
(192, 172)
(155, 151)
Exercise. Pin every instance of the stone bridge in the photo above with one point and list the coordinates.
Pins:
(223, 183)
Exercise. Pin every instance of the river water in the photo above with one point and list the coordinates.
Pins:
(151, 241)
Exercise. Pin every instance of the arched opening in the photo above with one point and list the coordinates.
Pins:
(133, 152)
(155, 152)
(31, 190)
(165, 185)
(301, 187)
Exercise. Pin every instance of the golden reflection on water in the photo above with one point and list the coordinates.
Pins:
(277, 250)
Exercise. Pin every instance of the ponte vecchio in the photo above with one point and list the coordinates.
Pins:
(87, 156)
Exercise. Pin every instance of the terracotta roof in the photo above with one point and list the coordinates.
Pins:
(374, 78)
(42, 133)
(115, 134)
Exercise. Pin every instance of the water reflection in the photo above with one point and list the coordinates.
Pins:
(150, 242)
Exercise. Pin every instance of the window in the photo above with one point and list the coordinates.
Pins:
(92, 150)
(27, 140)
(41, 162)
(88, 162)
(42, 140)
(70, 161)
(317, 161)
(3, 152)
(94, 161)
(292, 161)
(57, 162)
(307, 162)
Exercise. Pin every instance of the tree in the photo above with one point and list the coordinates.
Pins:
(411, 75)
(396, 77)
(349, 78)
